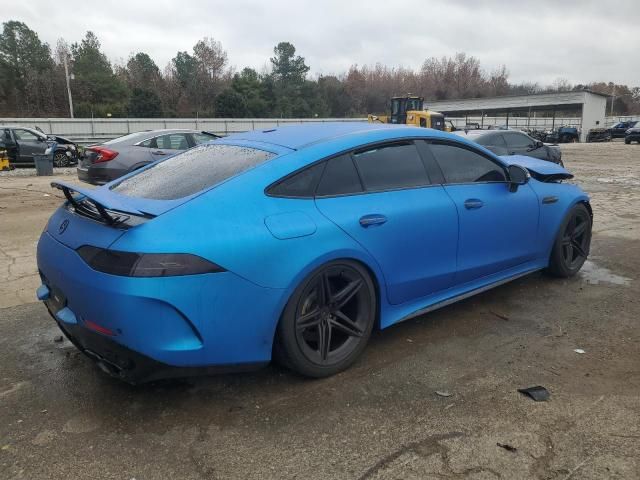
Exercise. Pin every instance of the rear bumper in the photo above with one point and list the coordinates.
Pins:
(98, 174)
(131, 366)
(162, 326)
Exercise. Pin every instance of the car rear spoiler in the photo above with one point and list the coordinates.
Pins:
(105, 202)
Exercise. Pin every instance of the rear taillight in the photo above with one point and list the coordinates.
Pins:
(129, 264)
(104, 154)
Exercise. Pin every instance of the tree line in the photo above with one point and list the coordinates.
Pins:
(203, 83)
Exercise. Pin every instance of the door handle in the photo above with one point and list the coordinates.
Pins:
(473, 204)
(373, 219)
(158, 152)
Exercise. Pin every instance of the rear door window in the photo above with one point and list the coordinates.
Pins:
(173, 141)
(392, 166)
(339, 178)
(493, 140)
(203, 137)
(300, 185)
(191, 172)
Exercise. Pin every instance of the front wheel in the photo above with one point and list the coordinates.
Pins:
(571, 247)
(60, 159)
(328, 320)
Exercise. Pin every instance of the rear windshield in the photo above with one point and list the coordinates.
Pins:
(191, 172)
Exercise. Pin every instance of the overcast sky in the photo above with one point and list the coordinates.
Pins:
(538, 41)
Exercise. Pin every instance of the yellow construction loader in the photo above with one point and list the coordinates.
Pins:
(409, 110)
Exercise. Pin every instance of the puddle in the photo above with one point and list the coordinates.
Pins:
(595, 275)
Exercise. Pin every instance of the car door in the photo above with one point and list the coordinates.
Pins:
(29, 144)
(497, 227)
(168, 144)
(382, 197)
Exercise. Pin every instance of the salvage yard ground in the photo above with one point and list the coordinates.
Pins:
(62, 418)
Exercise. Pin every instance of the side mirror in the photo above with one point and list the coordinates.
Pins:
(517, 176)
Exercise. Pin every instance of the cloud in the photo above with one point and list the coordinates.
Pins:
(538, 41)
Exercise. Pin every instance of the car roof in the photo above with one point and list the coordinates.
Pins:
(296, 137)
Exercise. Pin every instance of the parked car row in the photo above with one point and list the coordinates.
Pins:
(616, 131)
(632, 134)
(23, 143)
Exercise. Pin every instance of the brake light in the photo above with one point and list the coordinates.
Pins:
(104, 154)
(130, 264)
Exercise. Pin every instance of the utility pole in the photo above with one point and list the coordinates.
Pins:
(613, 99)
(66, 75)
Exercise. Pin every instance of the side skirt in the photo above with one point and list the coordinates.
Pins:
(462, 296)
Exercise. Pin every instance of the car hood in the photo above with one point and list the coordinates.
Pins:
(537, 166)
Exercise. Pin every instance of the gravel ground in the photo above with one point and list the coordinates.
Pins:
(62, 418)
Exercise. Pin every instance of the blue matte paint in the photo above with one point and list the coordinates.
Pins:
(42, 293)
(66, 315)
(431, 248)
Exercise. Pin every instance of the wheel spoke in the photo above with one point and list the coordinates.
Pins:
(308, 320)
(576, 245)
(324, 290)
(343, 296)
(346, 325)
(568, 252)
(580, 229)
(324, 339)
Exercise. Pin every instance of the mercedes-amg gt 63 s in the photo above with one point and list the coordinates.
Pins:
(294, 243)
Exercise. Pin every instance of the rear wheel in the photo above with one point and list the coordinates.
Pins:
(572, 244)
(328, 320)
(628, 141)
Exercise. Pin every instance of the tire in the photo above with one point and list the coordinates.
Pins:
(60, 159)
(628, 142)
(571, 246)
(328, 320)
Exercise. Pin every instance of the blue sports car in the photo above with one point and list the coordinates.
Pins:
(294, 243)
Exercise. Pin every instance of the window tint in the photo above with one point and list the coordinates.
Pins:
(25, 135)
(174, 141)
(190, 172)
(339, 178)
(460, 165)
(150, 143)
(518, 140)
(302, 184)
(494, 140)
(391, 166)
(199, 138)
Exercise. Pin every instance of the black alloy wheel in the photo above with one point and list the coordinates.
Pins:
(60, 159)
(572, 245)
(328, 321)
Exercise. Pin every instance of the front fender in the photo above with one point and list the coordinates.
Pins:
(552, 214)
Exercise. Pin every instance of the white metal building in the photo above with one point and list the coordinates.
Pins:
(587, 105)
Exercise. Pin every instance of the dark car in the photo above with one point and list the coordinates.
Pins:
(619, 129)
(513, 142)
(632, 134)
(109, 160)
(23, 143)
